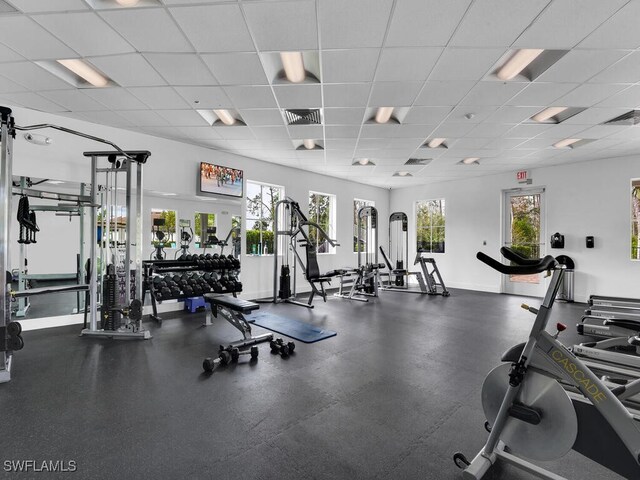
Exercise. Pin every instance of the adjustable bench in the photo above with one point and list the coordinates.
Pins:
(232, 309)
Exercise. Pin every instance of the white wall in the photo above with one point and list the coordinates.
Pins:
(588, 198)
(173, 167)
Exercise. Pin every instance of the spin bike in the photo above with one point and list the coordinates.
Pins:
(530, 416)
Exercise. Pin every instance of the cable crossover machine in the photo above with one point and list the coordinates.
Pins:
(429, 279)
(296, 228)
(112, 292)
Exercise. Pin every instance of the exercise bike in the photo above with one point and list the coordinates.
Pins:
(530, 416)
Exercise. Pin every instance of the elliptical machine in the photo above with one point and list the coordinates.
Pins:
(529, 413)
(159, 253)
(186, 237)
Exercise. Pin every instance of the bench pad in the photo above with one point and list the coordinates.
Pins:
(232, 303)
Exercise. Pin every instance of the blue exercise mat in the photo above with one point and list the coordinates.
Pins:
(291, 328)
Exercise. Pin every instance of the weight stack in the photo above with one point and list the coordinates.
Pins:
(285, 283)
(110, 319)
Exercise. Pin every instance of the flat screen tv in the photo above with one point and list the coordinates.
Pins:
(219, 180)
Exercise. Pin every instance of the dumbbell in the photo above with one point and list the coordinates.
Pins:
(217, 287)
(210, 364)
(157, 280)
(176, 278)
(197, 291)
(283, 349)
(14, 342)
(188, 291)
(235, 352)
(165, 292)
(175, 291)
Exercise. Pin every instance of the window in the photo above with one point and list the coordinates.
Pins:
(430, 226)
(357, 205)
(236, 238)
(322, 212)
(163, 221)
(635, 219)
(261, 204)
(203, 227)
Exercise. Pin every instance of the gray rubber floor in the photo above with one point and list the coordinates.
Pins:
(393, 395)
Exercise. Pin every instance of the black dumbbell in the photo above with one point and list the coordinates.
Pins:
(223, 358)
(188, 291)
(175, 292)
(280, 347)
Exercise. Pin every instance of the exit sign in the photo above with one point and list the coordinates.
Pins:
(523, 176)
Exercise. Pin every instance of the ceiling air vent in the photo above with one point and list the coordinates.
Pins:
(418, 161)
(303, 117)
(629, 118)
(6, 8)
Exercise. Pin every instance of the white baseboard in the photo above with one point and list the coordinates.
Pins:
(78, 318)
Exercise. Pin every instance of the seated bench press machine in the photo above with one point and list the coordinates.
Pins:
(233, 310)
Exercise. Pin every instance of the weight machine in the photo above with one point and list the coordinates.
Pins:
(119, 160)
(297, 231)
(364, 280)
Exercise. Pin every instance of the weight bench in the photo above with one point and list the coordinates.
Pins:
(232, 309)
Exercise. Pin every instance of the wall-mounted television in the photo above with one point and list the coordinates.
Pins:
(219, 180)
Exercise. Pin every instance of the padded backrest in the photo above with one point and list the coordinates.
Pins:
(386, 259)
(313, 271)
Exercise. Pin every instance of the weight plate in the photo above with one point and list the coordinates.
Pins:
(556, 433)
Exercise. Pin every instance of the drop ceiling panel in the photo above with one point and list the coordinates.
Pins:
(353, 24)
(542, 94)
(181, 68)
(626, 70)
(341, 131)
(588, 94)
(629, 97)
(163, 98)
(508, 114)
(564, 24)
(270, 133)
(148, 29)
(379, 131)
(235, 132)
(492, 93)
(128, 70)
(105, 117)
(527, 131)
(561, 131)
(465, 63)
(298, 96)
(300, 132)
(619, 31)
(251, 97)
(476, 114)
(394, 94)
(581, 65)
(443, 93)
(144, 118)
(343, 116)
(496, 23)
(594, 116)
(86, 33)
(33, 77)
(74, 100)
(236, 68)
(348, 66)
(7, 86)
(283, 26)
(36, 102)
(490, 130)
(35, 6)
(346, 95)
(262, 117)
(115, 98)
(8, 55)
(182, 118)
(425, 22)
(452, 130)
(214, 28)
(414, 131)
(426, 115)
(404, 64)
(31, 40)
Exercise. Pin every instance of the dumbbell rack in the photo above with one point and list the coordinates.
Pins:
(192, 277)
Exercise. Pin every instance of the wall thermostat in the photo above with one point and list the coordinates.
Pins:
(590, 242)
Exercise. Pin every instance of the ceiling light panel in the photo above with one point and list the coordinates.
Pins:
(77, 72)
(122, 4)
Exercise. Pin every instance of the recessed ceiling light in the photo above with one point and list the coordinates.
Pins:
(435, 142)
(547, 113)
(293, 65)
(470, 160)
(127, 3)
(363, 161)
(169, 194)
(518, 62)
(55, 182)
(383, 115)
(566, 142)
(309, 144)
(84, 71)
(225, 117)
(403, 173)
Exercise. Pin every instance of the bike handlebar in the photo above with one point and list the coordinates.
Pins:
(515, 257)
(540, 265)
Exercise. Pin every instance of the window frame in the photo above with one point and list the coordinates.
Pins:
(332, 218)
(197, 237)
(443, 206)
(260, 220)
(367, 203)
